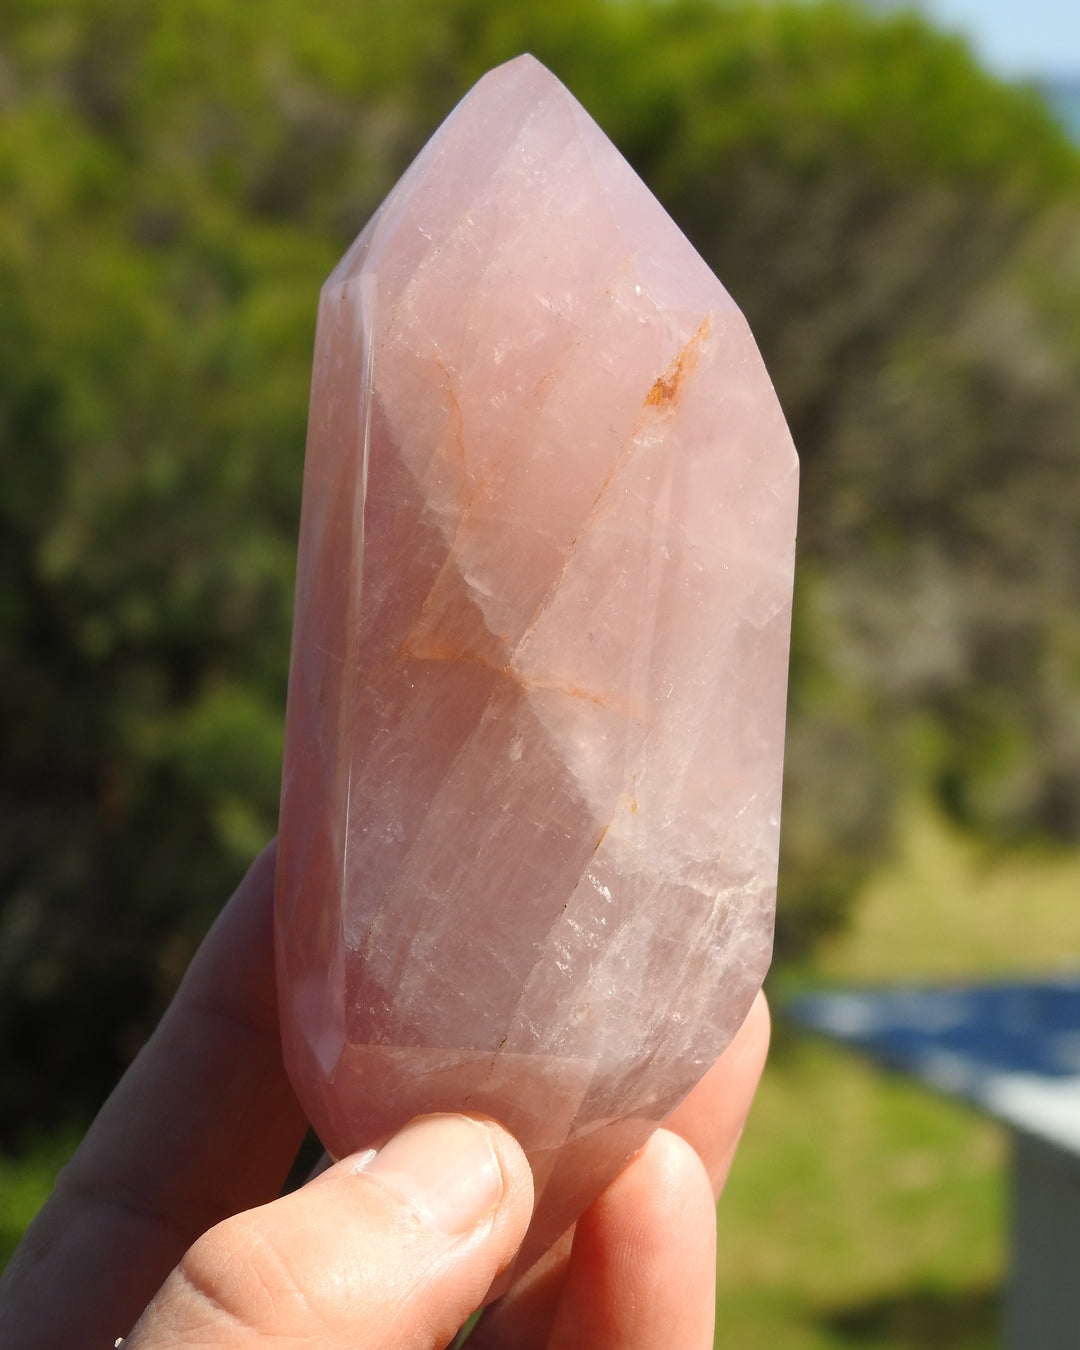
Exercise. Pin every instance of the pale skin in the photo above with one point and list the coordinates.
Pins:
(167, 1228)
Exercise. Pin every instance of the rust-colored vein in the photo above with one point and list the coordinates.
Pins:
(667, 388)
(430, 645)
(458, 416)
(431, 649)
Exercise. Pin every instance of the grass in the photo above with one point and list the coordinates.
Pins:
(863, 1210)
(950, 907)
(859, 1206)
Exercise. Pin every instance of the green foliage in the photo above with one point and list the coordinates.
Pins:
(176, 181)
(25, 1184)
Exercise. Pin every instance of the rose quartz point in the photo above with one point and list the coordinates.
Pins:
(531, 799)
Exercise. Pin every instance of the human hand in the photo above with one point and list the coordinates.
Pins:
(175, 1190)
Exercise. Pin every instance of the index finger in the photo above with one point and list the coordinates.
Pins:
(203, 1125)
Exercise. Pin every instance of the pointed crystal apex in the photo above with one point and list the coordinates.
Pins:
(531, 799)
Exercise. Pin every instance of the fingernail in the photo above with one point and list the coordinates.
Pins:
(446, 1167)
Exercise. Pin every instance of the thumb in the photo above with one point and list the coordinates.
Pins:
(387, 1248)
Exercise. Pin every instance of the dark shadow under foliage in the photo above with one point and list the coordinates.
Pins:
(922, 1319)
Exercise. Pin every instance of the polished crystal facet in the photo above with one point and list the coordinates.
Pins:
(536, 704)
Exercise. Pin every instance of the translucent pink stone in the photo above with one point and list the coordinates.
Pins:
(531, 799)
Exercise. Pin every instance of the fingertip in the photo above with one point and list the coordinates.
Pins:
(643, 1262)
(455, 1171)
(465, 1178)
(665, 1188)
(756, 1030)
(711, 1118)
(675, 1167)
(518, 1193)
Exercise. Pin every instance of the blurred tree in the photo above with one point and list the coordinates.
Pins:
(176, 181)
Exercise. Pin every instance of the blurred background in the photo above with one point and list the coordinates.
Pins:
(892, 196)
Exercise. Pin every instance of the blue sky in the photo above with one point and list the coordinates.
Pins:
(1017, 38)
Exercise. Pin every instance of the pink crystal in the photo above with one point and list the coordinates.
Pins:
(531, 798)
